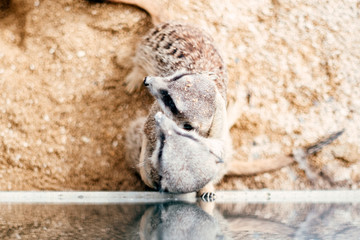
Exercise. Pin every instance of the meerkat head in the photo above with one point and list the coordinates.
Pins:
(190, 99)
(185, 161)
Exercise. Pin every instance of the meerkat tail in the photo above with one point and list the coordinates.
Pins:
(314, 148)
(154, 8)
(255, 224)
(299, 155)
(241, 168)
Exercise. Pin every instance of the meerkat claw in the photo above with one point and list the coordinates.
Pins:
(208, 197)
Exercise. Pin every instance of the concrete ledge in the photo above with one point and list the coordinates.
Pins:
(311, 196)
(92, 197)
(262, 196)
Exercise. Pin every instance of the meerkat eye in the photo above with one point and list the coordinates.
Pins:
(188, 127)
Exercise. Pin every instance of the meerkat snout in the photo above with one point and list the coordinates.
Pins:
(145, 82)
(148, 81)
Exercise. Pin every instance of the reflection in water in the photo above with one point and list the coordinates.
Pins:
(178, 220)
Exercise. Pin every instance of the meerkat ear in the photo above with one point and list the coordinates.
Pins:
(218, 126)
(211, 77)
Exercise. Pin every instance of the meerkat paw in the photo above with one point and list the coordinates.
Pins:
(208, 197)
(134, 79)
(207, 193)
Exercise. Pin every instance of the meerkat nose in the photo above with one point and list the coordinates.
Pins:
(146, 83)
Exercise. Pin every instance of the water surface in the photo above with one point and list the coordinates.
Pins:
(181, 219)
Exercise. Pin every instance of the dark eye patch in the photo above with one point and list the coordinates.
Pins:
(162, 143)
(188, 127)
(157, 184)
(168, 101)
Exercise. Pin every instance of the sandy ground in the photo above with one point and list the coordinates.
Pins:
(295, 65)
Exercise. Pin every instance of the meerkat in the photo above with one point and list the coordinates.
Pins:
(185, 71)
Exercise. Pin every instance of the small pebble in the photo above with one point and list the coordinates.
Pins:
(46, 118)
(85, 139)
(81, 54)
(17, 157)
(52, 50)
(98, 152)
